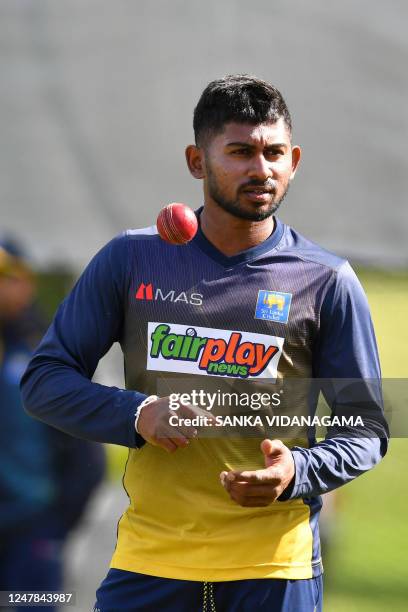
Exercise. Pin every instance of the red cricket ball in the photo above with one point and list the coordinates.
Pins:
(177, 223)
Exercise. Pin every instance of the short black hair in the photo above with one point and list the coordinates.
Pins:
(238, 98)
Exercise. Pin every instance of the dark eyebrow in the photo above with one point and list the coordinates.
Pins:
(275, 145)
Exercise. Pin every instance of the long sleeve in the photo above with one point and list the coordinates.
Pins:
(347, 367)
(56, 386)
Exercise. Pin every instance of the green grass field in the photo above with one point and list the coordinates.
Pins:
(368, 563)
(367, 568)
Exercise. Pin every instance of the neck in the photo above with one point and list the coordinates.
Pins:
(230, 234)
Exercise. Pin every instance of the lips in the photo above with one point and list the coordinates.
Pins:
(258, 194)
(257, 190)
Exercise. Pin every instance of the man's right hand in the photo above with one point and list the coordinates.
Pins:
(154, 426)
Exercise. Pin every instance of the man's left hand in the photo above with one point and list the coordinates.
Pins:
(262, 487)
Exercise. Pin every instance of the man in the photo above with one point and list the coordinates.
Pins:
(37, 463)
(224, 523)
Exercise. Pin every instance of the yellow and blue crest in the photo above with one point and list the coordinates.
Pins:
(273, 306)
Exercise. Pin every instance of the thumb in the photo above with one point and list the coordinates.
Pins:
(272, 451)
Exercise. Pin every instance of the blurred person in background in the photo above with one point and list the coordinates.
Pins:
(46, 476)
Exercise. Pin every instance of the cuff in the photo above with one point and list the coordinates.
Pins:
(135, 439)
(148, 400)
(296, 485)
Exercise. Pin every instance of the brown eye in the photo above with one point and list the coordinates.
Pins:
(275, 153)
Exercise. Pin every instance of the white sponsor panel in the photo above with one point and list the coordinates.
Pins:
(189, 349)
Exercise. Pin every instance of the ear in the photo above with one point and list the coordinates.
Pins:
(296, 155)
(195, 161)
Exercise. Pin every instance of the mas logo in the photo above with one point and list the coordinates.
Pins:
(147, 292)
(273, 306)
(207, 351)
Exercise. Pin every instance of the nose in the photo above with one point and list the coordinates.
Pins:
(260, 168)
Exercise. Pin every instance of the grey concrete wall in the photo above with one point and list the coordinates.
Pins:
(96, 101)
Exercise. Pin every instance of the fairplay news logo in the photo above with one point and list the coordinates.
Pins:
(202, 350)
(147, 292)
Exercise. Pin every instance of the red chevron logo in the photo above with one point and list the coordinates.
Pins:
(144, 292)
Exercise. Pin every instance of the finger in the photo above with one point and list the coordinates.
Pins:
(174, 429)
(185, 431)
(175, 435)
(190, 411)
(272, 448)
(256, 502)
(166, 444)
(189, 432)
(180, 442)
(253, 476)
(227, 478)
(224, 480)
(244, 489)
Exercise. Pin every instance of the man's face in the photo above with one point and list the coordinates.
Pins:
(247, 168)
(16, 294)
